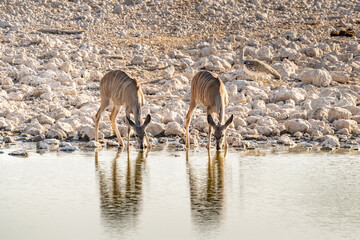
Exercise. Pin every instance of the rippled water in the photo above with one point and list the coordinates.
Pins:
(169, 195)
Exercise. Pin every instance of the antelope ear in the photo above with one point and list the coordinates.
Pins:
(131, 123)
(147, 120)
(211, 120)
(229, 121)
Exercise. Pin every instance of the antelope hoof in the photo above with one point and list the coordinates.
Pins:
(120, 147)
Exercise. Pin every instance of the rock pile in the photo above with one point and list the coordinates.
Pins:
(49, 82)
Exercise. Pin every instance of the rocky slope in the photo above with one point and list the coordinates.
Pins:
(50, 82)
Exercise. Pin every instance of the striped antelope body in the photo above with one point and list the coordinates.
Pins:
(125, 91)
(210, 91)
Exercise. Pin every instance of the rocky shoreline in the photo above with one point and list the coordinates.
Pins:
(54, 53)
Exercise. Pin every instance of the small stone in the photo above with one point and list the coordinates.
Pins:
(93, 144)
(67, 147)
(19, 153)
(286, 140)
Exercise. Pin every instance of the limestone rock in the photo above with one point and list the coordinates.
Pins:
(330, 143)
(174, 128)
(155, 128)
(340, 76)
(345, 123)
(297, 125)
(295, 94)
(317, 77)
(19, 153)
(93, 144)
(336, 113)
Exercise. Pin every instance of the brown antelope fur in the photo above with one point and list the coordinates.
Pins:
(125, 91)
(210, 91)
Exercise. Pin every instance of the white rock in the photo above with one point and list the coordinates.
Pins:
(7, 81)
(87, 132)
(231, 89)
(336, 113)
(297, 125)
(67, 147)
(155, 128)
(341, 77)
(173, 117)
(67, 67)
(42, 145)
(313, 52)
(189, 72)
(286, 68)
(264, 54)
(211, 50)
(5, 24)
(56, 134)
(316, 77)
(58, 112)
(289, 53)
(240, 122)
(44, 119)
(66, 127)
(286, 140)
(174, 128)
(168, 72)
(64, 77)
(258, 104)
(93, 144)
(264, 130)
(296, 94)
(200, 123)
(350, 125)
(19, 153)
(261, 15)
(255, 93)
(15, 96)
(330, 142)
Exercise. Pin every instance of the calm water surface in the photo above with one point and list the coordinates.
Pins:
(168, 195)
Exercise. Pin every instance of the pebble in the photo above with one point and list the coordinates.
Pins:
(19, 153)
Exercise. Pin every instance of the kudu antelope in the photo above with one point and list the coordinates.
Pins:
(125, 91)
(210, 91)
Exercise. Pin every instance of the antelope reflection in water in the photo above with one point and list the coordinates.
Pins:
(207, 191)
(120, 190)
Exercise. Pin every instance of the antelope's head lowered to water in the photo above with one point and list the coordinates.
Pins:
(140, 131)
(219, 130)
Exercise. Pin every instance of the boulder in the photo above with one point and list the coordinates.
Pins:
(155, 128)
(168, 72)
(348, 124)
(286, 140)
(336, 113)
(317, 77)
(174, 128)
(295, 94)
(297, 125)
(340, 76)
(330, 143)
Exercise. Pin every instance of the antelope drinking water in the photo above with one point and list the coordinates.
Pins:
(125, 91)
(211, 93)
